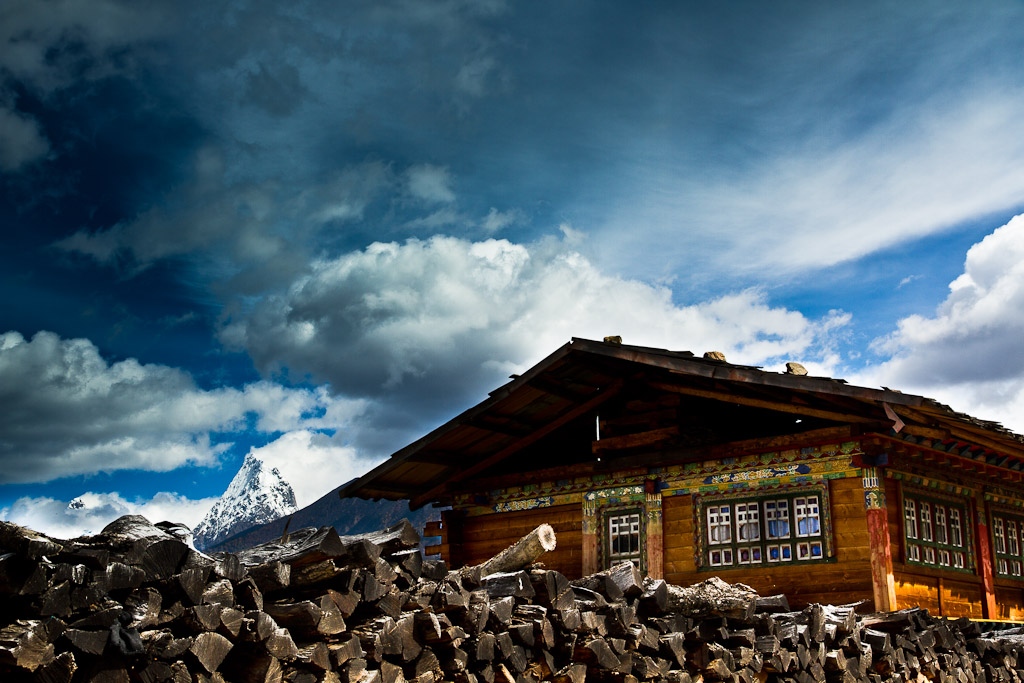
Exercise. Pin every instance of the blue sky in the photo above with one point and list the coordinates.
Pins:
(317, 230)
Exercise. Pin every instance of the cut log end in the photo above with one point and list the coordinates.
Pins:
(546, 537)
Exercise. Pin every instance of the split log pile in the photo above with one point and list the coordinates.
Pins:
(136, 603)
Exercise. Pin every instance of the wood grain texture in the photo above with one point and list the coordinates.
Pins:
(487, 535)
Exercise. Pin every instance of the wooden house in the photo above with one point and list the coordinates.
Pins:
(692, 466)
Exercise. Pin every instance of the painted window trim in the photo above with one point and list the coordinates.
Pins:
(761, 539)
(920, 540)
(606, 513)
(1003, 552)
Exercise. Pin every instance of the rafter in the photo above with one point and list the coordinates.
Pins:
(803, 410)
(491, 460)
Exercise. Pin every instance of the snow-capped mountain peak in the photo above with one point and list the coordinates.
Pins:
(256, 495)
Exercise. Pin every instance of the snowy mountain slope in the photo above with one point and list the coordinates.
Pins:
(347, 516)
(255, 496)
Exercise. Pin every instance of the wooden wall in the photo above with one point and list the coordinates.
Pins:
(846, 580)
(942, 593)
(485, 536)
(677, 521)
(1009, 600)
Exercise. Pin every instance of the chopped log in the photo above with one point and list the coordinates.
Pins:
(61, 670)
(346, 602)
(654, 599)
(162, 558)
(301, 618)
(193, 582)
(410, 563)
(307, 546)
(231, 622)
(219, 593)
(143, 606)
(331, 621)
(316, 655)
(25, 645)
(597, 653)
(210, 649)
(519, 555)
(343, 651)
(89, 642)
(713, 597)
(622, 580)
(509, 584)
(573, 673)
(394, 539)
(501, 612)
(56, 601)
(229, 567)
(280, 645)
(119, 575)
(203, 617)
(164, 645)
(552, 589)
(271, 576)
(316, 573)
(771, 604)
(247, 595)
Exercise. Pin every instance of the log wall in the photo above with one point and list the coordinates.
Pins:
(942, 593)
(1009, 600)
(844, 581)
(487, 535)
(677, 521)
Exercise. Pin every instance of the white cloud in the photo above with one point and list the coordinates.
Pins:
(21, 141)
(970, 353)
(442, 320)
(925, 169)
(313, 463)
(64, 410)
(429, 183)
(91, 511)
(496, 220)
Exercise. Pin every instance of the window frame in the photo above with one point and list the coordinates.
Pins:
(607, 556)
(1007, 564)
(936, 531)
(762, 527)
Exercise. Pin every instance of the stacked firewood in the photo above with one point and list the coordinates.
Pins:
(137, 603)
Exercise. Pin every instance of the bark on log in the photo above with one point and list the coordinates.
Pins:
(713, 597)
(519, 555)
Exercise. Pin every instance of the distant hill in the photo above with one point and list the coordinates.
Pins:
(348, 516)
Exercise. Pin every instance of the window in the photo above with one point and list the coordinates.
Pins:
(1007, 543)
(934, 533)
(624, 537)
(775, 529)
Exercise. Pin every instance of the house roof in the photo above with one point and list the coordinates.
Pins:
(574, 382)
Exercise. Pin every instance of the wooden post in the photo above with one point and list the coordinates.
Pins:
(590, 535)
(655, 537)
(883, 586)
(989, 609)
